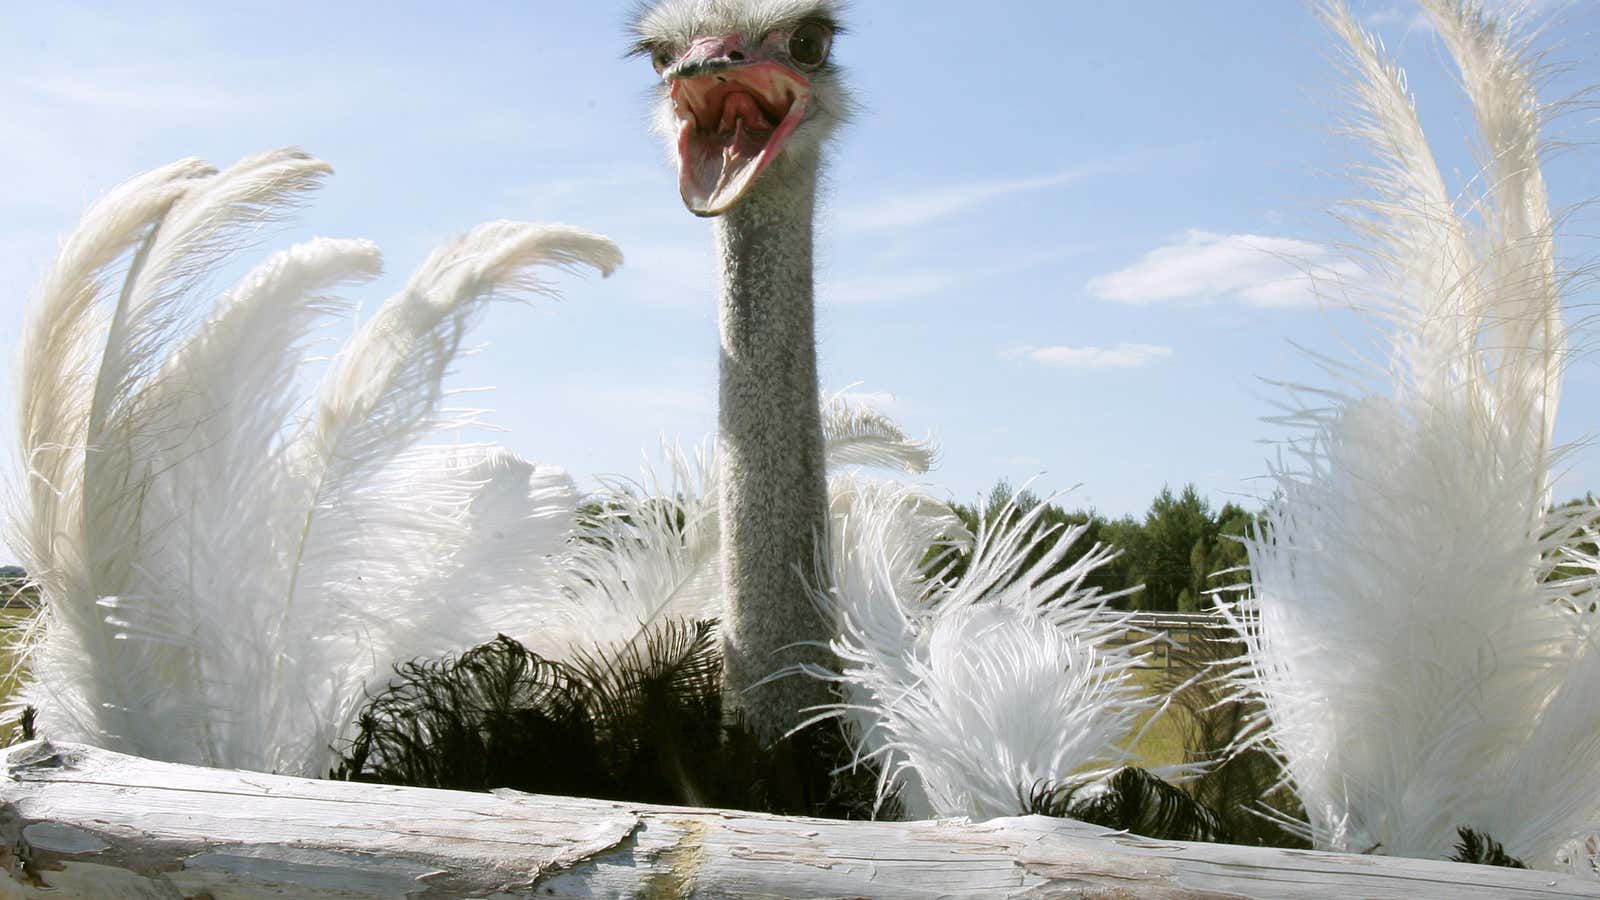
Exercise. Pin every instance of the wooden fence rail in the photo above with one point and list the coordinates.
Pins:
(1178, 631)
(82, 822)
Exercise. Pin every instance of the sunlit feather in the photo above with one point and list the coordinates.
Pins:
(226, 568)
(967, 693)
(1417, 653)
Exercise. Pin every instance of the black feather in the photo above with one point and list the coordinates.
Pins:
(497, 716)
(659, 709)
(1133, 800)
(1481, 849)
(1243, 783)
(641, 723)
(24, 729)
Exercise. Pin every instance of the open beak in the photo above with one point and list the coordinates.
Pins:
(735, 111)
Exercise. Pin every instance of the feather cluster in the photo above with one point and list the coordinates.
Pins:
(967, 693)
(964, 693)
(643, 723)
(1417, 630)
(651, 549)
(1131, 800)
(230, 568)
(226, 565)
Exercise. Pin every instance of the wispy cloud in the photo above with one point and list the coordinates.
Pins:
(926, 282)
(668, 273)
(935, 203)
(892, 287)
(1257, 270)
(1409, 20)
(927, 206)
(1406, 18)
(87, 126)
(1122, 356)
(640, 410)
(673, 400)
(138, 90)
(555, 191)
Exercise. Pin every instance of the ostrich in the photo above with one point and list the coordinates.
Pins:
(750, 97)
(231, 567)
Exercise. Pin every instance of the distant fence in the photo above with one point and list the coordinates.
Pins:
(1180, 629)
(17, 593)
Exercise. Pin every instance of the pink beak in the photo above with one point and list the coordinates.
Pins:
(736, 108)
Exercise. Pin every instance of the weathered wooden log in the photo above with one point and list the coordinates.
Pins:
(83, 822)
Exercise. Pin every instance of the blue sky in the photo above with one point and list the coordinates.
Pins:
(1054, 239)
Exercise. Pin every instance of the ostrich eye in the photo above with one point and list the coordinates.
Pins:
(661, 59)
(809, 43)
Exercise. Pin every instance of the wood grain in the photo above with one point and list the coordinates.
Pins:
(83, 822)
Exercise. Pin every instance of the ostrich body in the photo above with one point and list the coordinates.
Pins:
(973, 694)
(750, 97)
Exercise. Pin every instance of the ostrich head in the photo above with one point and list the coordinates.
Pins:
(749, 90)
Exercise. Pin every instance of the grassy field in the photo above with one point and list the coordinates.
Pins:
(1163, 744)
(12, 620)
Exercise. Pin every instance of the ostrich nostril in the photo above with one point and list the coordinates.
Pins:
(736, 56)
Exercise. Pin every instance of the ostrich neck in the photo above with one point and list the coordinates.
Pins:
(774, 492)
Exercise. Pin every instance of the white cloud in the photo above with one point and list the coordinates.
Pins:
(894, 287)
(621, 179)
(1392, 16)
(668, 273)
(165, 92)
(139, 90)
(926, 206)
(1410, 21)
(661, 400)
(1122, 356)
(1257, 270)
(620, 415)
(933, 203)
(83, 128)
(924, 282)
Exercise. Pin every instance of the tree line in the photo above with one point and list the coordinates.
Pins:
(1180, 550)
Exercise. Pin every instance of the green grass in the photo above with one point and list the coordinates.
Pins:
(1163, 743)
(12, 620)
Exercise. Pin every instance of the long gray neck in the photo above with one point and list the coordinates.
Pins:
(774, 491)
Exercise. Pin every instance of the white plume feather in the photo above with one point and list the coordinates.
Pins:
(855, 434)
(1416, 651)
(212, 475)
(649, 553)
(62, 340)
(653, 549)
(227, 572)
(504, 576)
(969, 693)
(224, 573)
